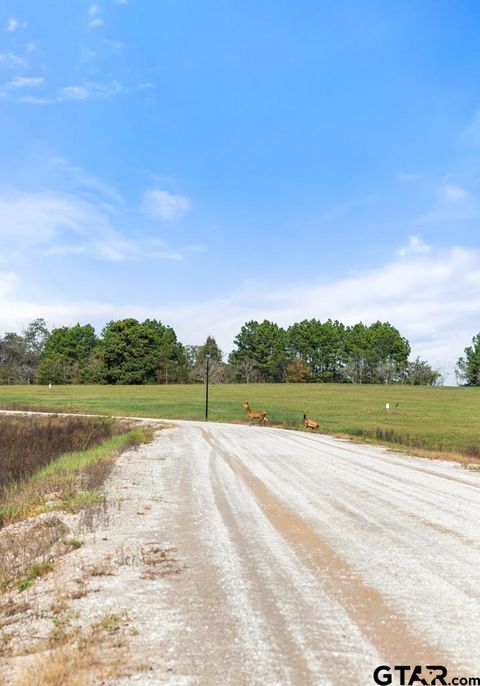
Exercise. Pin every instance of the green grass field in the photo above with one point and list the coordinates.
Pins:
(435, 419)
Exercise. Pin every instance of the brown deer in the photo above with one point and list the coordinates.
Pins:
(310, 423)
(253, 414)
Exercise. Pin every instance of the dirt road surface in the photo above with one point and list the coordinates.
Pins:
(302, 559)
(257, 556)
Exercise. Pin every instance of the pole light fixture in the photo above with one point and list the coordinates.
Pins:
(207, 358)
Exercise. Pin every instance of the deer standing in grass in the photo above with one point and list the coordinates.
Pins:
(253, 414)
(310, 423)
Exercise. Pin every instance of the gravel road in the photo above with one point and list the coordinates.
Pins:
(301, 559)
(264, 557)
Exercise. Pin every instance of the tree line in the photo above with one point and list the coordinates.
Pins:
(131, 352)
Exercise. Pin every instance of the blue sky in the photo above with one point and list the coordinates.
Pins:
(211, 162)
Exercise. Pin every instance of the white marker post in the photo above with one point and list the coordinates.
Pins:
(387, 407)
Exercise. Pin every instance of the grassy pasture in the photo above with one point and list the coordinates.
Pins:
(432, 419)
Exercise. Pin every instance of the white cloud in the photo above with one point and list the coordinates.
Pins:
(8, 280)
(116, 46)
(12, 61)
(455, 194)
(90, 91)
(33, 100)
(416, 246)
(160, 204)
(13, 25)
(78, 93)
(53, 223)
(26, 82)
(454, 203)
(65, 249)
(96, 21)
(88, 182)
(74, 93)
(39, 217)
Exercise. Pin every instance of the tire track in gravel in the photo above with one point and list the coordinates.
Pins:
(389, 633)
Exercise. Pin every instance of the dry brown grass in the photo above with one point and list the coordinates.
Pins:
(27, 551)
(81, 658)
(29, 443)
(71, 482)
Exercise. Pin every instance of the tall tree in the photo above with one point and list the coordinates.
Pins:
(135, 353)
(216, 367)
(420, 373)
(387, 354)
(36, 336)
(20, 354)
(356, 344)
(265, 345)
(468, 366)
(375, 354)
(320, 346)
(12, 359)
(70, 348)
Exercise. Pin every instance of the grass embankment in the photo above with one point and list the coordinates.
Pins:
(69, 482)
(440, 421)
(28, 443)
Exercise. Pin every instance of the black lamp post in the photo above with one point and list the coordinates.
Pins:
(207, 357)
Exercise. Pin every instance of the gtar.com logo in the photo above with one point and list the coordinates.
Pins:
(428, 675)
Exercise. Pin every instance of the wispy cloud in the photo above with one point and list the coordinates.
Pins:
(83, 92)
(455, 194)
(67, 223)
(84, 181)
(14, 24)
(34, 100)
(26, 82)
(454, 203)
(12, 61)
(39, 217)
(407, 177)
(162, 205)
(115, 249)
(416, 246)
(84, 218)
(96, 21)
(116, 46)
(91, 91)
(8, 280)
